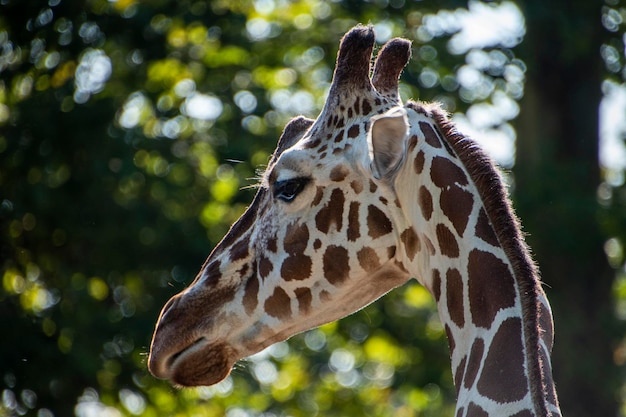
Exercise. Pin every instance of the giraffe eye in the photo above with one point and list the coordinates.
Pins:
(287, 190)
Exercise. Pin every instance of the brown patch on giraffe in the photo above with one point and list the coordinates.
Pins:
(491, 287)
(391, 252)
(296, 238)
(339, 173)
(251, 294)
(436, 283)
(331, 213)
(437, 137)
(240, 249)
(447, 146)
(503, 378)
(304, 297)
(212, 273)
(317, 244)
(310, 144)
(296, 267)
(460, 412)
(454, 296)
(425, 201)
(368, 259)
(357, 186)
(456, 204)
(373, 187)
(447, 242)
(418, 162)
(431, 137)
(458, 375)
(339, 136)
(322, 148)
(412, 244)
(357, 106)
(336, 264)
(325, 296)
(354, 229)
(272, 245)
(444, 173)
(484, 229)
(412, 143)
(378, 223)
(265, 267)
(354, 130)
(474, 410)
(278, 304)
(383, 200)
(319, 194)
(473, 362)
(367, 107)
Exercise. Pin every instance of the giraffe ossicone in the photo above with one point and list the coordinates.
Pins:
(372, 193)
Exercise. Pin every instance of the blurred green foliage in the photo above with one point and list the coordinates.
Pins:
(131, 133)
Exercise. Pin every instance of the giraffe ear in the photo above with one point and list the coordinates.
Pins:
(385, 142)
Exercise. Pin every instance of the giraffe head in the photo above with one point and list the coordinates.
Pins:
(320, 239)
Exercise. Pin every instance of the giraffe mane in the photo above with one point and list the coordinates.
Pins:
(507, 227)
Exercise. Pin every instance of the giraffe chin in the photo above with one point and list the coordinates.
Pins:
(203, 365)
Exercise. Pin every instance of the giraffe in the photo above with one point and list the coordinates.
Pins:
(372, 193)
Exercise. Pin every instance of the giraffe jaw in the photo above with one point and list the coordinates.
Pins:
(201, 363)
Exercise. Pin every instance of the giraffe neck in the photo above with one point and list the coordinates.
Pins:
(470, 254)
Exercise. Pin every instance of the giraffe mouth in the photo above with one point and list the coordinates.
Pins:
(189, 349)
(199, 364)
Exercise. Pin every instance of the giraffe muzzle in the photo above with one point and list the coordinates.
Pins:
(200, 363)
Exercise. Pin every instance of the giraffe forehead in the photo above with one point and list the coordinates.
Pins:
(336, 128)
